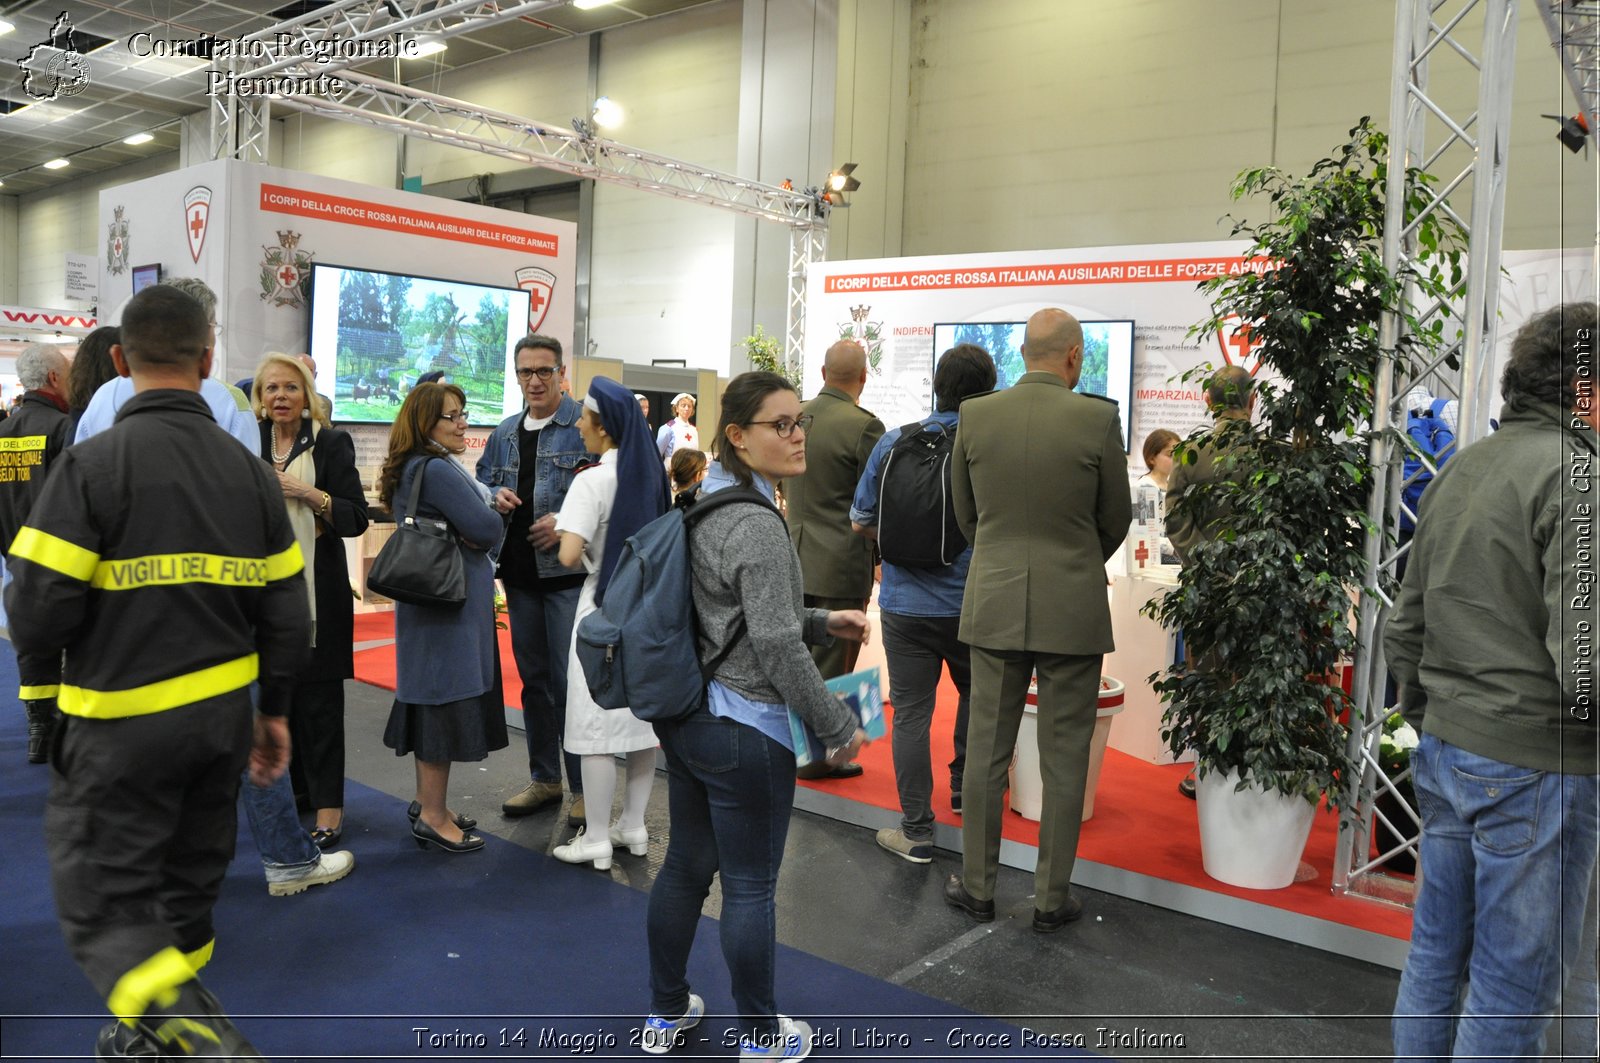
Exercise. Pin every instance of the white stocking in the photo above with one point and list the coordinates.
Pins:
(599, 786)
(641, 777)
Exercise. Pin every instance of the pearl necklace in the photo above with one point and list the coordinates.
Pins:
(279, 459)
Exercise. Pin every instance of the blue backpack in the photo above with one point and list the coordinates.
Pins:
(1432, 436)
(639, 650)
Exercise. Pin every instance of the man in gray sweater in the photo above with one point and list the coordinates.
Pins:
(1492, 645)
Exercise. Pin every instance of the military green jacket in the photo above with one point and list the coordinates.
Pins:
(835, 561)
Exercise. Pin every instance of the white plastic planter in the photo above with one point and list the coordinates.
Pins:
(1252, 838)
(1027, 784)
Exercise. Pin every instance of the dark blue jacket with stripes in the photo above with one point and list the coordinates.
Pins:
(159, 556)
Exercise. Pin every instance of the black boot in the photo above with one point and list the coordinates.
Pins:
(41, 728)
(194, 1025)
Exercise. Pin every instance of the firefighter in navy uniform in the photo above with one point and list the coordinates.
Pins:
(160, 558)
(30, 441)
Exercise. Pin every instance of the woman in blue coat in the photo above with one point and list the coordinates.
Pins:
(448, 704)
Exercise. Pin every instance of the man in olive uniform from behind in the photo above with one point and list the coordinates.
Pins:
(1035, 599)
(30, 441)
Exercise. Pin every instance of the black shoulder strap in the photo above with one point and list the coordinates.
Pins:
(416, 489)
(702, 506)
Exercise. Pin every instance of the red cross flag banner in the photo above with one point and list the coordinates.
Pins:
(196, 217)
(541, 287)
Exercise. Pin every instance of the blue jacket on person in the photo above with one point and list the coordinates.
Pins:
(561, 454)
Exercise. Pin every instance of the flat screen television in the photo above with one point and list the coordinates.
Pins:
(1107, 356)
(144, 276)
(373, 333)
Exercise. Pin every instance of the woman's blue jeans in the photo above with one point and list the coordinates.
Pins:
(730, 790)
(1508, 854)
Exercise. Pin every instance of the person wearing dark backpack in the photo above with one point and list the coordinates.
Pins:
(903, 502)
(730, 763)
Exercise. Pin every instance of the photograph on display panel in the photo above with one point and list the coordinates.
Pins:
(374, 333)
(1107, 356)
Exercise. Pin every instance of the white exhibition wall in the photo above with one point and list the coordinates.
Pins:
(892, 305)
(251, 233)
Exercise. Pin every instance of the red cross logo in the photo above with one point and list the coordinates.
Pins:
(197, 211)
(1239, 346)
(1141, 553)
(288, 275)
(197, 225)
(536, 300)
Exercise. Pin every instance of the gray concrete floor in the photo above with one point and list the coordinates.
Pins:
(1160, 984)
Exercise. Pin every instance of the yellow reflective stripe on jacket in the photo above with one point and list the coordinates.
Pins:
(166, 694)
(166, 570)
(155, 981)
(23, 443)
(41, 693)
(200, 956)
(45, 549)
(285, 563)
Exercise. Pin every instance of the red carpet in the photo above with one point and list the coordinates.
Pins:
(1141, 823)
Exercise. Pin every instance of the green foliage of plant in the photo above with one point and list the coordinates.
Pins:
(1263, 606)
(766, 355)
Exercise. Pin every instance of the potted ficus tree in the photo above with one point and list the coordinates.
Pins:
(1263, 604)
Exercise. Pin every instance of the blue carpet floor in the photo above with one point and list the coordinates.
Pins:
(503, 954)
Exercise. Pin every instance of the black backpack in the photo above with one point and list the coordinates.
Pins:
(916, 517)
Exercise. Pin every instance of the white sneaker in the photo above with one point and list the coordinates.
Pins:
(330, 867)
(792, 1041)
(637, 839)
(580, 850)
(660, 1035)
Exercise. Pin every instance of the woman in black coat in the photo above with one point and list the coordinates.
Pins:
(316, 465)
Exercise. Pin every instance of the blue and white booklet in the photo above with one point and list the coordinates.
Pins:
(862, 693)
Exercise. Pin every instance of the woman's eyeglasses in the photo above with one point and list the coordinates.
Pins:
(785, 427)
(544, 372)
(459, 417)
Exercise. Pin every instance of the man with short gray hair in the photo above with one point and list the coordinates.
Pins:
(30, 440)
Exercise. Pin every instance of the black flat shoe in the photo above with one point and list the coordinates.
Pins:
(1050, 922)
(425, 836)
(1186, 786)
(464, 822)
(326, 838)
(956, 895)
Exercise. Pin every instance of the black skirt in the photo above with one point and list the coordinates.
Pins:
(464, 730)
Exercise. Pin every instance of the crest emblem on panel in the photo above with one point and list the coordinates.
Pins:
(1239, 345)
(117, 242)
(867, 333)
(284, 270)
(196, 218)
(540, 284)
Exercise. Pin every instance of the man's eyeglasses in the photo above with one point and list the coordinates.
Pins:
(785, 427)
(459, 417)
(544, 372)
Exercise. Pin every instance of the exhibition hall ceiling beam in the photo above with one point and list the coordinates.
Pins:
(1574, 27)
(401, 109)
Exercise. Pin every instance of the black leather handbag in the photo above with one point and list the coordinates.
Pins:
(421, 562)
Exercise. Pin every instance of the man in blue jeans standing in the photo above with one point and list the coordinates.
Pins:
(920, 606)
(535, 454)
(1492, 644)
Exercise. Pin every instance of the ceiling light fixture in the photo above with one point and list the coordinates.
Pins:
(426, 44)
(585, 5)
(607, 113)
(137, 139)
(5, 27)
(57, 164)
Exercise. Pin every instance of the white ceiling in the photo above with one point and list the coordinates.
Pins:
(127, 94)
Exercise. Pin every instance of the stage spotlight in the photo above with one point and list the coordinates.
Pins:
(1574, 131)
(838, 183)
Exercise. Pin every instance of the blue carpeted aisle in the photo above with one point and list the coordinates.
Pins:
(504, 954)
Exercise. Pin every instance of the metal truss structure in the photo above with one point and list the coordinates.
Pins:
(1474, 197)
(239, 126)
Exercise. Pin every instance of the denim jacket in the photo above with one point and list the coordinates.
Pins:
(560, 455)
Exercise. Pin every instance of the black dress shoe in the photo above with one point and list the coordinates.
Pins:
(956, 895)
(464, 822)
(821, 769)
(426, 836)
(325, 837)
(1186, 786)
(1050, 922)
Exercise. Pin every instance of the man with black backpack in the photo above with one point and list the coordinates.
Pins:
(903, 502)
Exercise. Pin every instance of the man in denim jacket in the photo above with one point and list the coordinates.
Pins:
(536, 454)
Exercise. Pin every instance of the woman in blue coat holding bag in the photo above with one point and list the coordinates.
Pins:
(448, 702)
